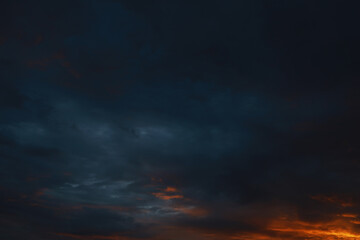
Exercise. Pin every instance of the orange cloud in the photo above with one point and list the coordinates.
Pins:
(336, 229)
(334, 199)
(349, 215)
(170, 189)
(168, 193)
(163, 196)
(192, 211)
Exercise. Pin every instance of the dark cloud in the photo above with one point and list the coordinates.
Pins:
(179, 120)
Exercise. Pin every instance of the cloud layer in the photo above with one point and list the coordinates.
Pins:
(172, 120)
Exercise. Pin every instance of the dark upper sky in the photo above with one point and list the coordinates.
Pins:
(179, 120)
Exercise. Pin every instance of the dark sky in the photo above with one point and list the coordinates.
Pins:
(179, 120)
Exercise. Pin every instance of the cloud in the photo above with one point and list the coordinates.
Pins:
(178, 120)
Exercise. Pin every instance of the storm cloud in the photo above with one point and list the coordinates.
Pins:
(172, 120)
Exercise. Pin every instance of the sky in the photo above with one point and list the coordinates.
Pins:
(179, 120)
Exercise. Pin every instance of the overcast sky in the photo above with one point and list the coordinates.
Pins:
(179, 120)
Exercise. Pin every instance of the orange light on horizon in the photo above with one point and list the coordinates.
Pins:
(337, 229)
